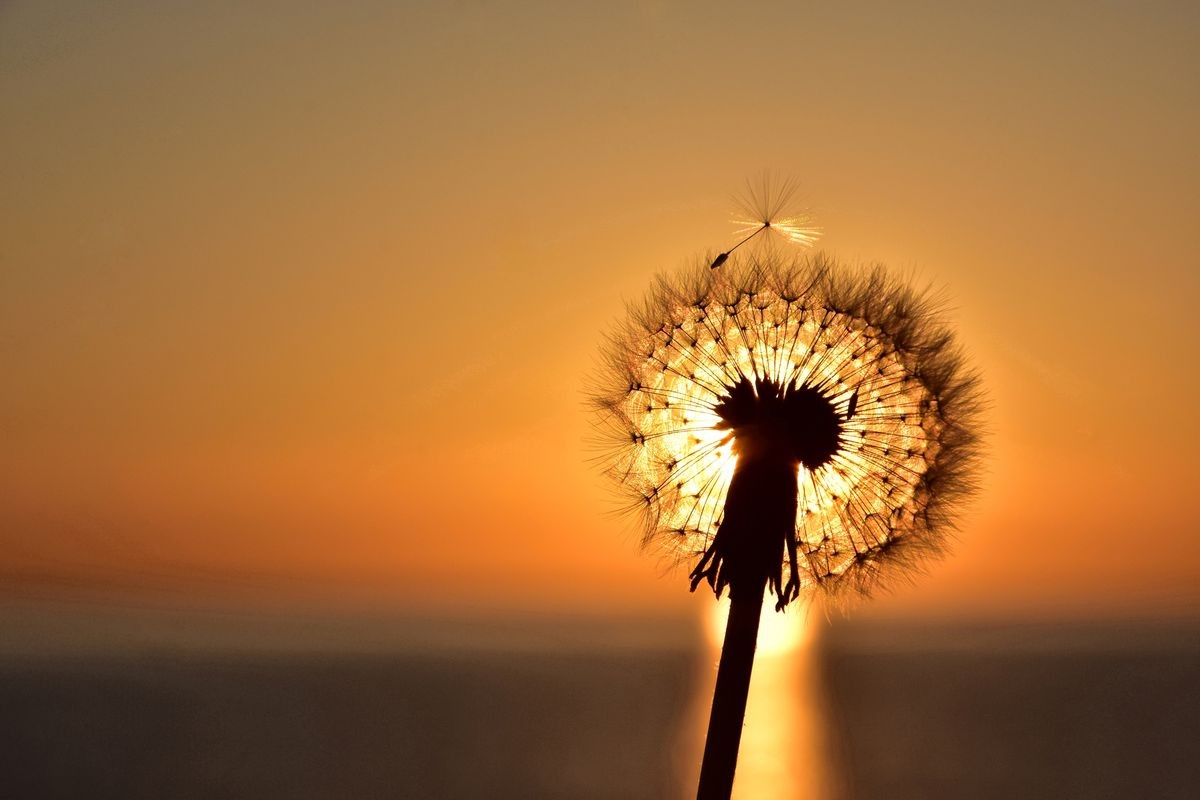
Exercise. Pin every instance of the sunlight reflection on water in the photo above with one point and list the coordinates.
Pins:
(783, 751)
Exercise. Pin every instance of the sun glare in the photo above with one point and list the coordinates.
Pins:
(778, 633)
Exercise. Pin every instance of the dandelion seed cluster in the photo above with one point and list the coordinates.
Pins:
(870, 352)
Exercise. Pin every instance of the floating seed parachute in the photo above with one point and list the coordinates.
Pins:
(840, 390)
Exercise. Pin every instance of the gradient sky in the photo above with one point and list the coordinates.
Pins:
(297, 302)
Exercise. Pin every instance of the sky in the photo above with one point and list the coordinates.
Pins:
(298, 301)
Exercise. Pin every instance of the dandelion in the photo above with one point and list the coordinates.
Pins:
(789, 425)
(843, 386)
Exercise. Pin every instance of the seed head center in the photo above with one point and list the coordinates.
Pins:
(795, 422)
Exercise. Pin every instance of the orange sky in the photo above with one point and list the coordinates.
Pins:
(297, 305)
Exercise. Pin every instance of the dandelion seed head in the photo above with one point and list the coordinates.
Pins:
(850, 372)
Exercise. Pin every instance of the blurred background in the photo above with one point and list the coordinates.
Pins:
(297, 307)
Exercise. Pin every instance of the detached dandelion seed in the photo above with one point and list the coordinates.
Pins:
(767, 208)
(786, 424)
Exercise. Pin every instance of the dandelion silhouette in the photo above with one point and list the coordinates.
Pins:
(786, 423)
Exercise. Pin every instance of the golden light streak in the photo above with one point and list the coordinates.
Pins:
(785, 753)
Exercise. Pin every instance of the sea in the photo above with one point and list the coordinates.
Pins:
(134, 705)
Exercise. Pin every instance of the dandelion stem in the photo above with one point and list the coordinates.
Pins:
(729, 697)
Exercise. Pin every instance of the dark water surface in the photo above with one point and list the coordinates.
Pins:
(1047, 713)
(327, 727)
(935, 713)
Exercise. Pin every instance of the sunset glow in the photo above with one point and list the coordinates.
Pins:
(305, 313)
